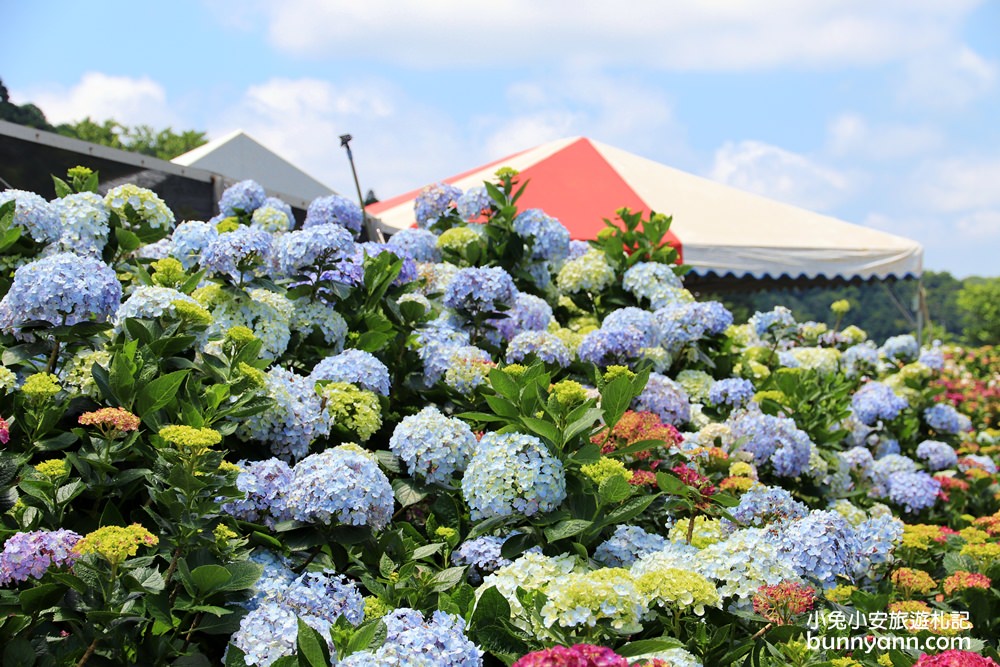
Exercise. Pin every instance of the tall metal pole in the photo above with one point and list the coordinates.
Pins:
(345, 141)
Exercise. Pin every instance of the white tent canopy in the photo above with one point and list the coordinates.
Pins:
(720, 229)
(238, 156)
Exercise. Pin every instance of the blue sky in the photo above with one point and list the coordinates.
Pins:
(880, 113)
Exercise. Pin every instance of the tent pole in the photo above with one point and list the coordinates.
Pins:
(899, 305)
(919, 306)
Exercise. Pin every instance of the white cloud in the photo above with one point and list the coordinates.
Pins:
(709, 35)
(618, 111)
(958, 184)
(779, 174)
(980, 225)
(948, 79)
(850, 135)
(397, 144)
(132, 101)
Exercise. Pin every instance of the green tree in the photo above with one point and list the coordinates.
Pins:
(164, 144)
(980, 299)
(25, 114)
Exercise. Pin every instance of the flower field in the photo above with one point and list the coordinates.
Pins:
(240, 442)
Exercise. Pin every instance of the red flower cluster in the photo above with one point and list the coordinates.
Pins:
(635, 427)
(781, 603)
(4, 431)
(955, 658)
(963, 581)
(579, 655)
(695, 480)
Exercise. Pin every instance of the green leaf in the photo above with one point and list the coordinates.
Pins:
(427, 550)
(546, 429)
(567, 528)
(632, 508)
(371, 635)
(614, 489)
(244, 574)
(671, 484)
(616, 396)
(68, 492)
(389, 461)
(128, 241)
(408, 492)
(208, 579)
(313, 651)
(516, 545)
(18, 653)
(40, 597)
(502, 407)
(584, 423)
(447, 579)
(159, 392)
(589, 453)
(641, 646)
(504, 385)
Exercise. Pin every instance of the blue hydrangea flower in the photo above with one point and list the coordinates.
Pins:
(933, 357)
(678, 324)
(859, 359)
(715, 317)
(763, 504)
(433, 447)
(343, 485)
(358, 367)
(243, 197)
(268, 633)
(274, 580)
(529, 313)
(885, 468)
(148, 206)
(61, 289)
(272, 220)
(900, 348)
(547, 237)
(149, 301)
(322, 317)
(334, 210)
(546, 346)
(877, 538)
(858, 459)
(281, 205)
(913, 491)
(84, 220)
(664, 398)
(821, 545)
(938, 455)
(512, 473)
(944, 418)
(482, 555)
(310, 249)
(643, 320)
(435, 343)
(605, 347)
(34, 215)
(468, 368)
(772, 439)
(875, 402)
(480, 290)
(647, 280)
(734, 392)
(420, 244)
(627, 545)
(774, 324)
(325, 595)
(240, 254)
(413, 641)
(296, 419)
(266, 484)
(471, 205)
(31, 554)
(434, 202)
(189, 240)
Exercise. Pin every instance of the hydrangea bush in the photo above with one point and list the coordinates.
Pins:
(246, 441)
